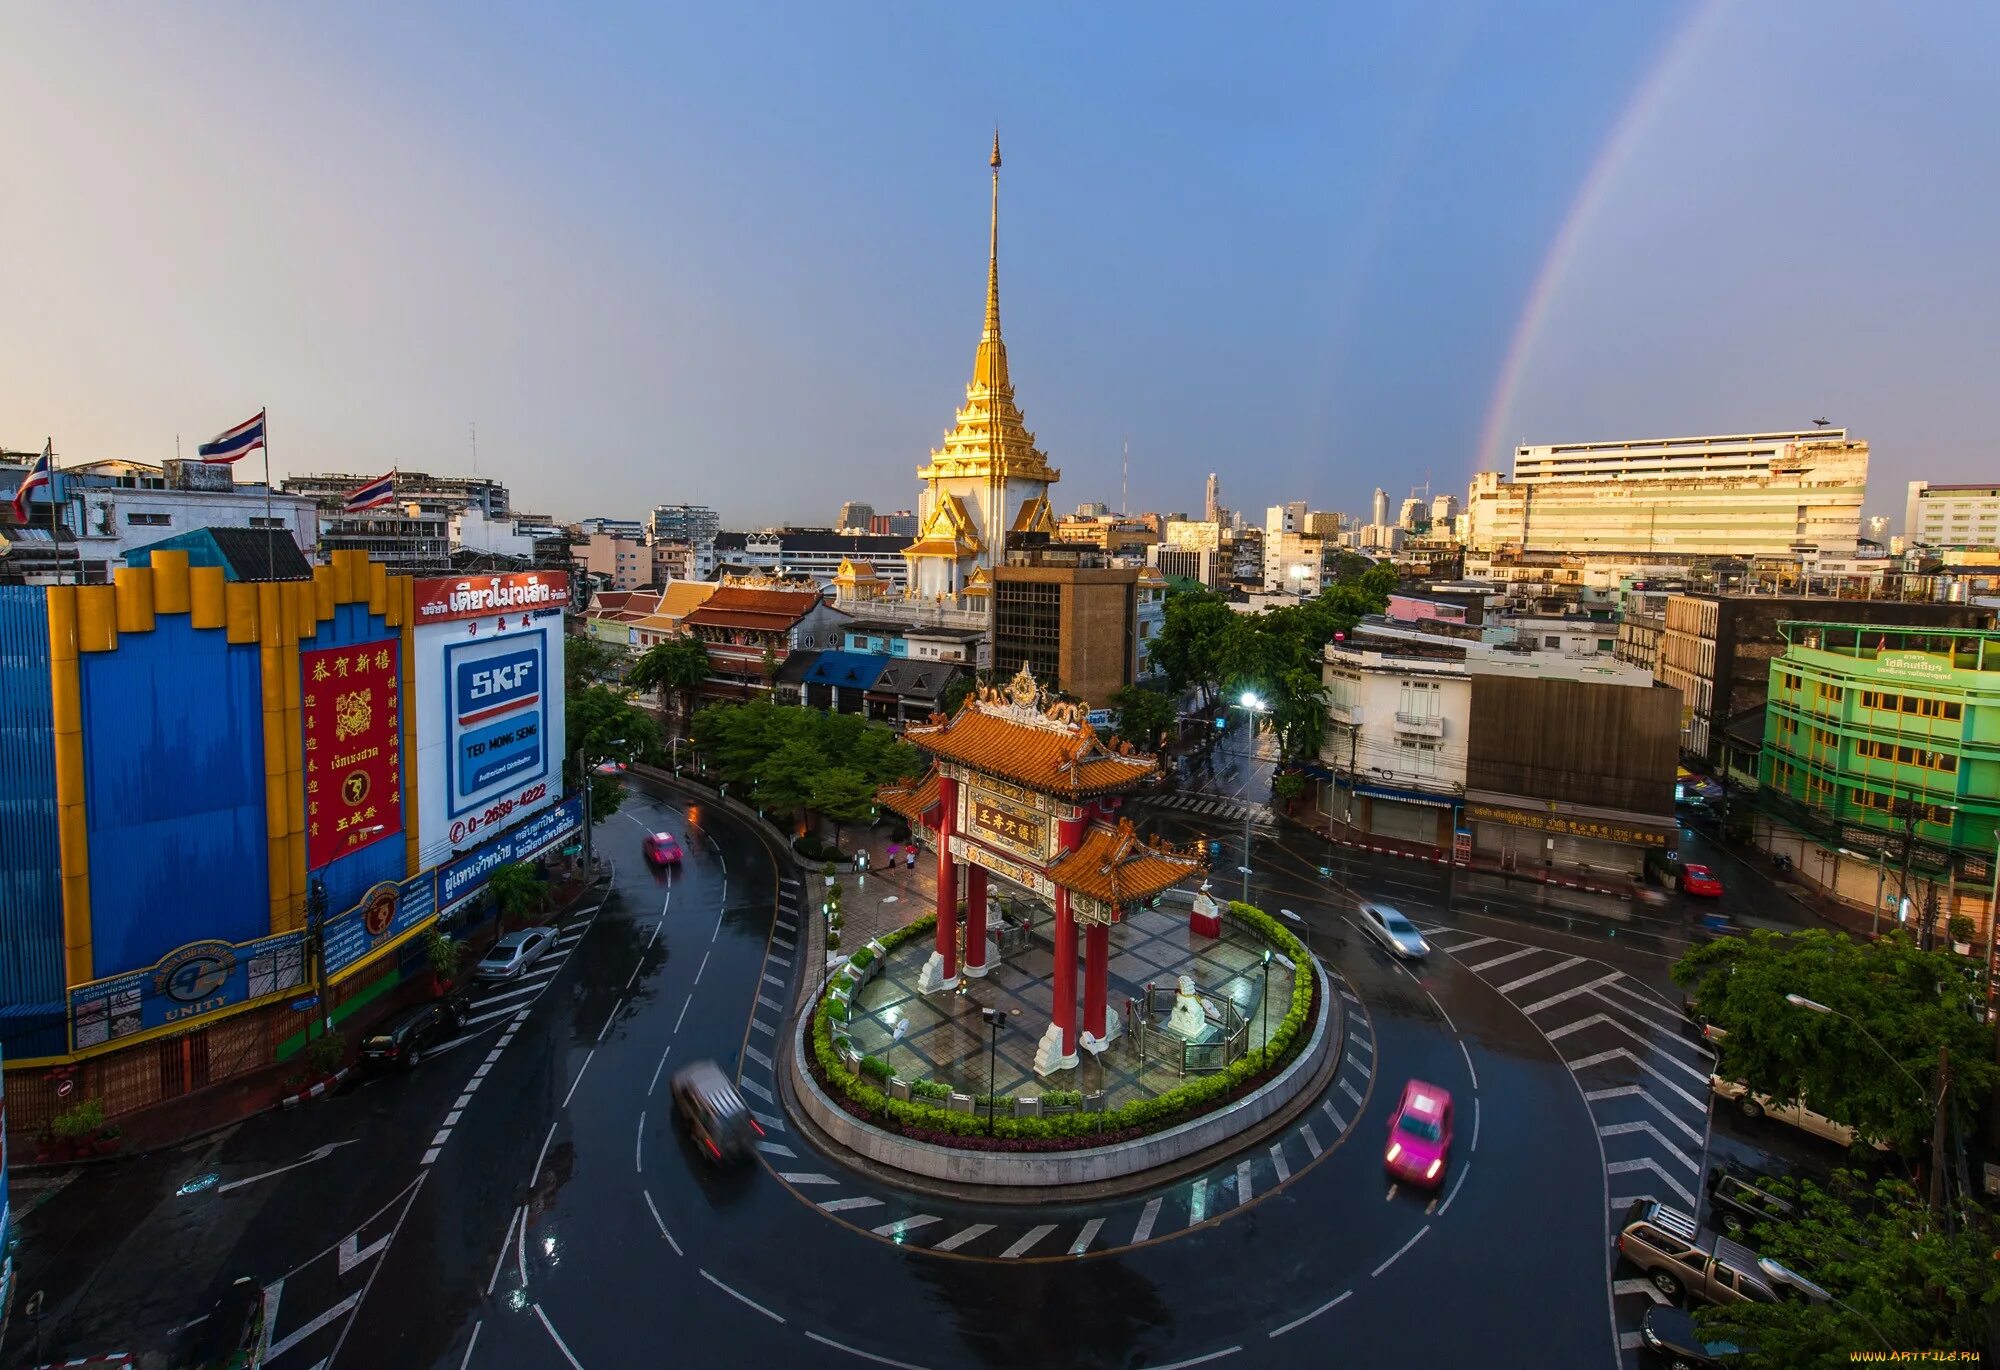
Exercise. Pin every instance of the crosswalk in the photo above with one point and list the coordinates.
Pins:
(1642, 1069)
(1215, 806)
(1028, 1235)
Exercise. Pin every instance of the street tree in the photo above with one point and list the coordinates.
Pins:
(844, 795)
(679, 665)
(602, 724)
(1888, 997)
(516, 889)
(589, 661)
(1144, 716)
(1899, 1279)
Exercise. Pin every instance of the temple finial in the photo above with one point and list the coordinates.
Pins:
(995, 162)
(992, 331)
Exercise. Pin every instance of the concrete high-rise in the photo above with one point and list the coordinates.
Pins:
(1378, 509)
(1212, 506)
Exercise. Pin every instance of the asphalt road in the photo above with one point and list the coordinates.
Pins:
(523, 1199)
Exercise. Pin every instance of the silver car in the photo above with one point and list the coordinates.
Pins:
(1387, 925)
(513, 954)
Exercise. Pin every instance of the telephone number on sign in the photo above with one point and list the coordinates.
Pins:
(466, 827)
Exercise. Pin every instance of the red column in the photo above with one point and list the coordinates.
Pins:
(1064, 986)
(947, 882)
(1096, 982)
(975, 919)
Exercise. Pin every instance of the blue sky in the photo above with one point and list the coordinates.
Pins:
(736, 256)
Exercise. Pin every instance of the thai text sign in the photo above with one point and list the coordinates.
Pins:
(352, 702)
(1565, 825)
(188, 983)
(1014, 826)
(1913, 666)
(385, 914)
(499, 701)
(467, 876)
(439, 601)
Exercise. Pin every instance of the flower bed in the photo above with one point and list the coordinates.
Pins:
(854, 1080)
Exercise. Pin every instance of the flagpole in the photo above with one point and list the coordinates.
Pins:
(264, 417)
(55, 540)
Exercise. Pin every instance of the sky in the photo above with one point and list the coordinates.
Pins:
(736, 255)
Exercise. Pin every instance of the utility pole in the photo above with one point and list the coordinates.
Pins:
(1937, 1133)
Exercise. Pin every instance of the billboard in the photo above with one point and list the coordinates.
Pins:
(188, 983)
(389, 912)
(467, 876)
(353, 721)
(489, 705)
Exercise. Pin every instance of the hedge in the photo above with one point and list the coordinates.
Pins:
(926, 1121)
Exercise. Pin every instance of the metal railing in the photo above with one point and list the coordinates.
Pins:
(1154, 1042)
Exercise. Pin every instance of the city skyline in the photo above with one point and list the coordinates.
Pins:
(402, 253)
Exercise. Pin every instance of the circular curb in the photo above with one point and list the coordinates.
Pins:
(1004, 1172)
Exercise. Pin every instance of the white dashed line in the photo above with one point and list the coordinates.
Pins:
(1339, 1123)
(656, 1071)
(1360, 1065)
(1198, 1201)
(1347, 1088)
(501, 1260)
(1457, 1182)
(967, 1234)
(1541, 974)
(1485, 966)
(842, 1205)
(638, 1143)
(776, 1149)
(740, 1298)
(579, 1077)
(1399, 1252)
(658, 1220)
(1146, 1218)
(684, 1013)
(1199, 1360)
(535, 1175)
(1278, 1162)
(897, 1229)
(806, 1177)
(1312, 1139)
(1301, 1322)
(1085, 1237)
(759, 1057)
(1244, 1193)
(758, 1090)
(1027, 1240)
(1470, 1068)
(865, 1355)
(1570, 994)
(702, 967)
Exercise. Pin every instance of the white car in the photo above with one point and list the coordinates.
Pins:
(513, 954)
(1387, 925)
(1796, 1113)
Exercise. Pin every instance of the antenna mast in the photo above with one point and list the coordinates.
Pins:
(1125, 480)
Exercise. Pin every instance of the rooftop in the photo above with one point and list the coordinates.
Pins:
(1018, 734)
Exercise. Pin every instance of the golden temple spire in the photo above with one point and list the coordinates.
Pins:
(992, 330)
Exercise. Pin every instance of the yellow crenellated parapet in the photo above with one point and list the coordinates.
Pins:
(242, 607)
(378, 592)
(134, 585)
(72, 832)
(96, 618)
(170, 582)
(208, 597)
(402, 593)
(326, 591)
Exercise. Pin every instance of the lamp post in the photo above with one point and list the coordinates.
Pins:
(1936, 1106)
(316, 916)
(994, 1018)
(1264, 1012)
(1881, 876)
(1252, 706)
(583, 773)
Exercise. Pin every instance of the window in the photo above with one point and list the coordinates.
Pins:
(149, 520)
(259, 521)
(1552, 641)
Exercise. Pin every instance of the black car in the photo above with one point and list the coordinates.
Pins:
(403, 1040)
(1739, 1203)
(1673, 1341)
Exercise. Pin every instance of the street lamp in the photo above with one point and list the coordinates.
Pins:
(1264, 1011)
(583, 772)
(1252, 706)
(1881, 875)
(994, 1018)
(1815, 1006)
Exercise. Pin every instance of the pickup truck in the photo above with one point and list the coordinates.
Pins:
(1679, 1258)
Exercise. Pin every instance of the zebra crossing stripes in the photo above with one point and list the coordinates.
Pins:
(1219, 806)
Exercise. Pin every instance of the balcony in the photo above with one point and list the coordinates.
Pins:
(1347, 715)
(1420, 725)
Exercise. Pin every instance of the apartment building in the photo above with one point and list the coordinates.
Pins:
(1960, 518)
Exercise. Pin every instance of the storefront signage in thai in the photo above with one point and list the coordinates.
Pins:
(439, 601)
(1913, 666)
(189, 983)
(351, 699)
(1565, 825)
(467, 876)
(386, 914)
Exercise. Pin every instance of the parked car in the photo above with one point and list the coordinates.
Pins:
(714, 1113)
(1738, 1202)
(1753, 1105)
(1673, 1340)
(1387, 925)
(406, 1037)
(513, 954)
(1680, 1258)
(1419, 1146)
(662, 849)
(1700, 880)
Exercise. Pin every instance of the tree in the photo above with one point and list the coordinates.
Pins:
(1909, 1001)
(955, 693)
(1900, 1280)
(1144, 716)
(844, 795)
(783, 782)
(516, 889)
(589, 661)
(678, 664)
(601, 723)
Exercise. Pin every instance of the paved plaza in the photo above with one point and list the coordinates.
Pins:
(943, 1037)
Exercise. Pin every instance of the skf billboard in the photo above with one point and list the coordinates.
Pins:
(489, 674)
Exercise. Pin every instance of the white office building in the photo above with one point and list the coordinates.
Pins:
(1960, 518)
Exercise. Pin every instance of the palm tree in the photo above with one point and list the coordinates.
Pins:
(678, 664)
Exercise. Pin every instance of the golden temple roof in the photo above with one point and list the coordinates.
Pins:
(1015, 732)
(1116, 866)
(913, 802)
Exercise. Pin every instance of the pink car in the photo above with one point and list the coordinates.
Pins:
(1420, 1136)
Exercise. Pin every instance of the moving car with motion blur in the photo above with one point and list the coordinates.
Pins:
(1701, 881)
(1387, 925)
(714, 1114)
(1419, 1145)
(662, 849)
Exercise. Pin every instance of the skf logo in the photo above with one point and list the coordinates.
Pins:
(498, 684)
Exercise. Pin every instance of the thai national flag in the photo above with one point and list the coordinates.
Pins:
(381, 490)
(234, 443)
(38, 478)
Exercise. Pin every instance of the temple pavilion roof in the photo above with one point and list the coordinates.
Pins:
(916, 803)
(1114, 865)
(1015, 733)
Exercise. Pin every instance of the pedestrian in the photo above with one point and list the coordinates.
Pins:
(913, 858)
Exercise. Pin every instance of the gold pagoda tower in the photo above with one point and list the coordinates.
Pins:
(989, 479)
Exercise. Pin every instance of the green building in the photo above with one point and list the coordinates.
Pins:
(1882, 743)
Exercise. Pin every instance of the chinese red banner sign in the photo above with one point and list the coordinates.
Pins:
(352, 698)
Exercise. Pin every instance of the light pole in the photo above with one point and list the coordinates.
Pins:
(994, 1018)
(1881, 875)
(1936, 1106)
(583, 773)
(1264, 1012)
(1252, 706)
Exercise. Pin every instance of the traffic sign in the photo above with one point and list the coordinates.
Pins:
(306, 1004)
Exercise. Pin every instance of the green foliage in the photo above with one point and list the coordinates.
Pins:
(679, 663)
(1901, 1281)
(930, 1089)
(443, 953)
(844, 794)
(862, 959)
(604, 725)
(875, 1068)
(1144, 716)
(812, 849)
(588, 661)
(326, 1053)
(1062, 1098)
(954, 695)
(84, 1118)
(792, 758)
(1911, 1002)
(1288, 785)
(1962, 928)
(516, 889)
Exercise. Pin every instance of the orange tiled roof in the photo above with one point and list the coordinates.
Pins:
(793, 602)
(1061, 759)
(1115, 866)
(913, 802)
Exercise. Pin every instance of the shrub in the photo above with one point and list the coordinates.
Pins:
(84, 1118)
(1061, 1098)
(326, 1053)
(812, 849)
(862, 959)
(1962, 928)
(443, 954)
(929, 1089)
(876, 1068)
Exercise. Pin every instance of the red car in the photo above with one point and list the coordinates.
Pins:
(1700, 880)
(662, 850)
(1419, 1145)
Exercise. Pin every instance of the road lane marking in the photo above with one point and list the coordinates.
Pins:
(500, 1261)
(1339, 1123)
(1475, 1122)
(1244, 1193)
(770, 1124)
(1441, 1013)
(314, 1326)
(1457, 1183)
(768, 1002)
(1569, 994)
(781, 960)
(579, 1076)
(1360, 1065)
(1470, 1068)
(1648, 1163)
(703, 966)
(740, 1298)
(1198, 1201)
(759, 1025)
(776, 1149)
(902, 1225)
(964, 1235)
(637, 1142)
(842, 1205)
(1312, 1139)
(561, 1346)
(535, 1175)
(759, 1057)
(1363, 1042)
(1278, 1162)
(1199, 1360)
(1620, 1052)
(865, 1355)
(1484, 966)
(1027, 1240)
(1301, 1322)
(1640, 1093)
(1347, 1088)
(1399, 1252)
(758, 1090)
(774, 980)
(1085, 1237)
(1145, 1227)
(806, 1177)
(610, 1020)
(466, 1360)
(658, 1221)
(656, 1071)
(451, 1118)
(1628, 1129)
(684, 1012)
(1464, 947)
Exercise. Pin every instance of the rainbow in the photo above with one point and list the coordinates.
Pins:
(1611, 157)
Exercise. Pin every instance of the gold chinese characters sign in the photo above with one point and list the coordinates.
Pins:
(1015, 827)
(353, 747)
(1027, 877)
(1564, 825)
